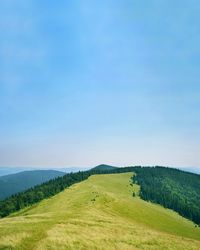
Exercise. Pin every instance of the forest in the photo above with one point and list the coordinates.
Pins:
(44, 191)
(171, 188)
(40, 192)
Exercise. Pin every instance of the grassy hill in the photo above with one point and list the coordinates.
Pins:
(14, 183)
(98, 213)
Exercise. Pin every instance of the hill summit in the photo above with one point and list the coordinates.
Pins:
(104, 167)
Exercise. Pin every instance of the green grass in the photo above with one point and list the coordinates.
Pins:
(99, 213)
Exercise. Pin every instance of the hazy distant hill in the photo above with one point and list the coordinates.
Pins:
(14, 170)
(195, 170)
(14, 183)
(104, 167)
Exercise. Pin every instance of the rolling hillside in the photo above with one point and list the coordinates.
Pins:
(14, 183)
(98, 213)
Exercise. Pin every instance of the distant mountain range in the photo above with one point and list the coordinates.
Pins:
(14, 170)
(15, 183)
(195, 170)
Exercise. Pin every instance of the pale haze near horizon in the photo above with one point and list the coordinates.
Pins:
(90, 82)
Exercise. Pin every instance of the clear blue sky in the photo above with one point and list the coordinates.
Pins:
(88, 82)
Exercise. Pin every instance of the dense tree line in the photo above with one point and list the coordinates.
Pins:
(48, 189)
(40, 192)
(172, 188)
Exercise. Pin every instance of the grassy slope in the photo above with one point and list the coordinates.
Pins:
(99, 213)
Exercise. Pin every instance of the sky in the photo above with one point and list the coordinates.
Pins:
(90, 82)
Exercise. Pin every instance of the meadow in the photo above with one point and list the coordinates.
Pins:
(98, 213)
